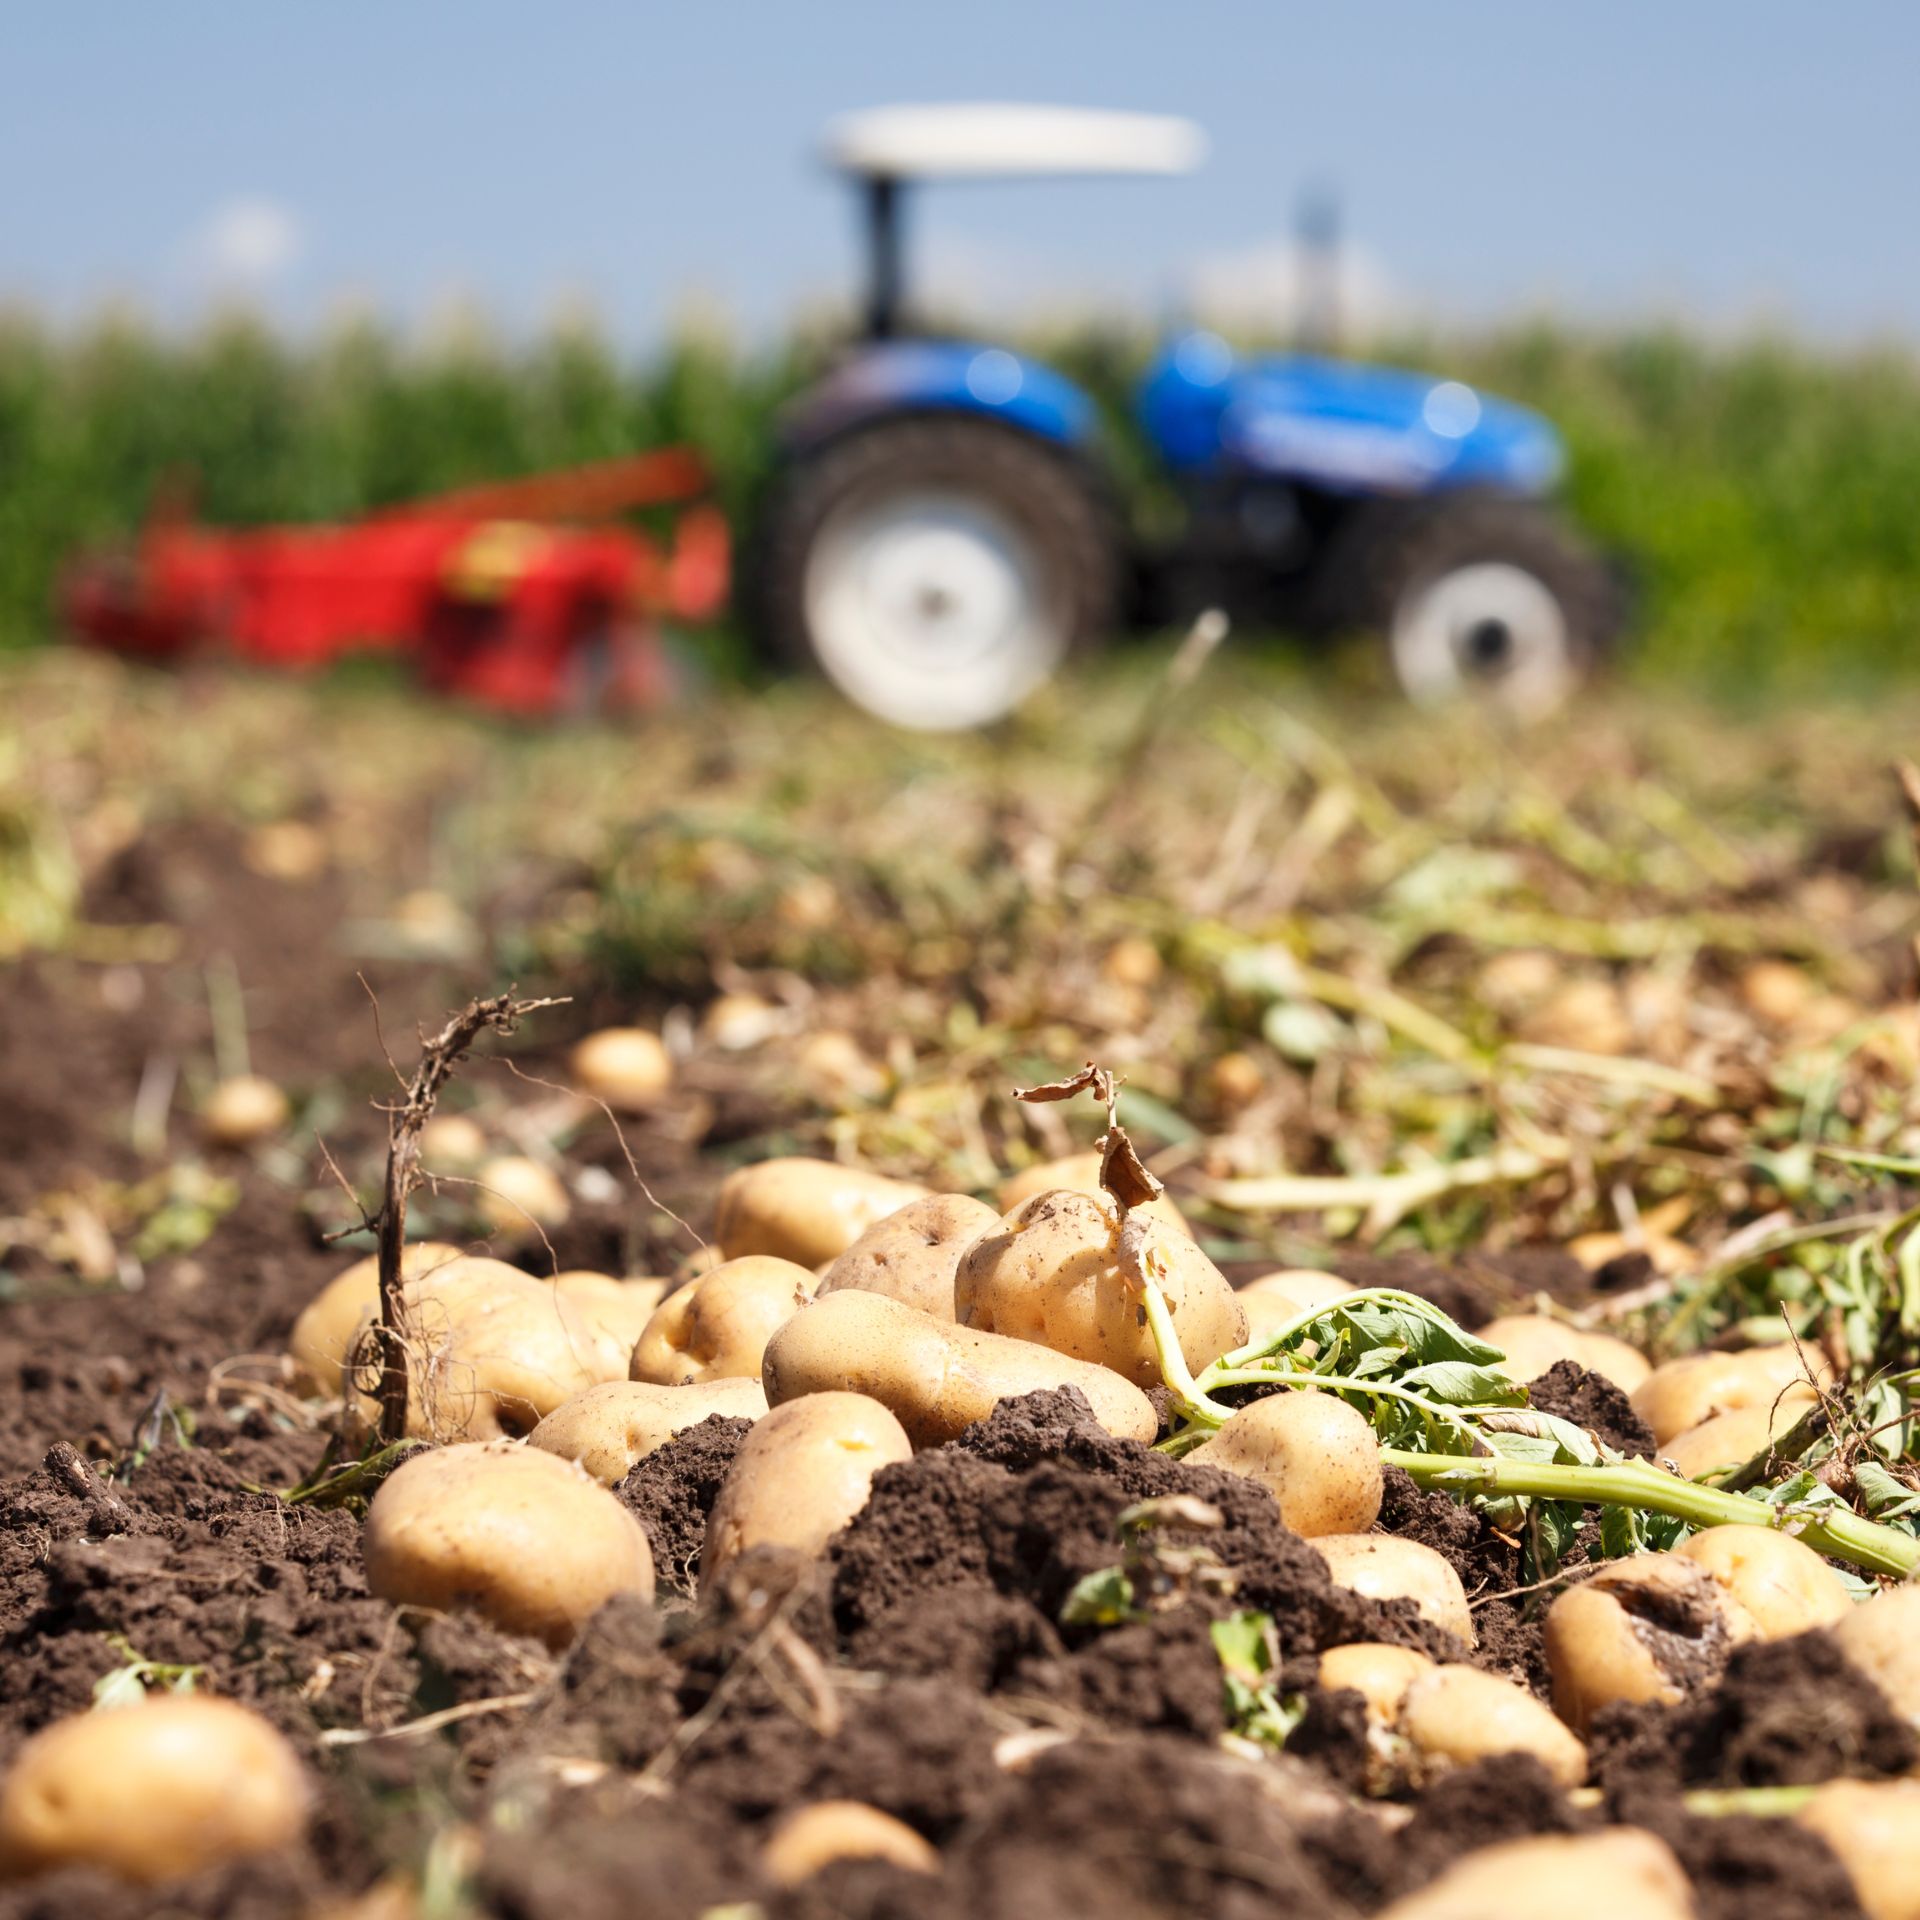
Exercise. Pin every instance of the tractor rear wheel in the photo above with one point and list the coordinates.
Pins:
(937, 569)
(1483, 598)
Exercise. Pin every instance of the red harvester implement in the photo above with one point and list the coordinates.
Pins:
(523, 595)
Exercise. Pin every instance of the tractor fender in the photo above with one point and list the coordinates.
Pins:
(942, 376)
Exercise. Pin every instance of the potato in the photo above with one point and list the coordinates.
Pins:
(937, 1379)
(1533, 1342)
(244, 1110)
(802, 1474)
(1049, 1273)
(1621, 1873)
(323, 1338)
(807, 1211)
(910, 1256)
(1314, 1453)
(1731, 1439)
(1380, 1674)
(450, 1142)
(151, 1792)
(491, 1351)
(1684, 1393)
(1385, 1567)
(1077, 1173)
(619, 1308)
(519, 1197)
(627, 1067)
(1782, 1583)
(1457, 1715)
(717, 1328)
(1873, 1826)
(610, 1428)
(1299, 1287)
(1646, 1628)
(528, 1540)
(810, 1838)
(1882, 1638)
(835, 1067)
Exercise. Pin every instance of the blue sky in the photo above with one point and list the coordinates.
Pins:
(1728, 161)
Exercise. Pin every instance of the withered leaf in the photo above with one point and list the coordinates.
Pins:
(1122, 1173)
(1089, 1077)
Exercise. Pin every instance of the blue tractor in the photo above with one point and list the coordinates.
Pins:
(943, 532)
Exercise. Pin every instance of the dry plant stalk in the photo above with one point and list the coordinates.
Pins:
(439, 1056)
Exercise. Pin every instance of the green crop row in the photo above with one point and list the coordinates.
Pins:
(1761, 492)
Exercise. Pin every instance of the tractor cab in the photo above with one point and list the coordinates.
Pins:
(944, 531)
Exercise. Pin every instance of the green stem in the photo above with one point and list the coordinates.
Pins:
(1763, 1803)
(1830, 1530)
(1192, 1404)
(1338, 1383)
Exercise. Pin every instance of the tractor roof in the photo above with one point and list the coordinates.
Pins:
(986, 140)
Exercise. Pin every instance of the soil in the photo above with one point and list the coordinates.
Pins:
(1569, 1391)
(922, 1666)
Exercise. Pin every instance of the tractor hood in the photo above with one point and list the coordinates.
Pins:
(1340, 425)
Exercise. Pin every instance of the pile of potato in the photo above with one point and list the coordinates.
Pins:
(854, 1319)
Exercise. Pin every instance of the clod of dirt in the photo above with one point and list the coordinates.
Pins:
(1747, 1869)
(1505, 1798)
(672, 1491)
(1788, 1713)
(1570, 1391)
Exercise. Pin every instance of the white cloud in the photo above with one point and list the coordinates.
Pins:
(249, 241)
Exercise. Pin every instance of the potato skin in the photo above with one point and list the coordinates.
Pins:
(910, 1255)
(936, 1378)
(1077, 1173)
(1882, 1638)
(1873, 1826)
(806, 1211)
(1049, 1273)
(1533, 1342)
(1732, 1438)
(1379, 1673)
(627, 1067)
(1385, 1567)
(1682, 1393)
(1782, 1583)
(1619, 1873)
(801, 1475)
(1313, 1452)
(718, 1327)
(529, 1540)
(323, 1338)
(1456, 1715)
(611, 1428)
(813, 1837)
(151, 1792)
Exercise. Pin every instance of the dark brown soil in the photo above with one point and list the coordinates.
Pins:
(673, 1490)
(1569, 1392)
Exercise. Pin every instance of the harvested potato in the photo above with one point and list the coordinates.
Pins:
(1380, 1674)
(491, 1351)
(243, 1110)
(802, 1474)
(1457, 1715)
(619, 1308)
(810, 1838)
(1049, 1272)
(717, 1328)
(1077, 1173)
(736, 1022)
(1652, 1627)
(1882, 1638)
(807, 1211)
(452, 1142)
(1621, 1873)
(835, 1067)
(610, 1428)
(151, 1792)
(323, 1338)
(528, 1540)
(1731, 1439)
(1533, 1342)
(911, 1254)
(1235, 1080)
(519, 1197)
(1299, 1287)
(936, 1378)
(1684, 1393)
(1782, 1583)
(627, 1067)
(1384, 1567)
(1873, 1826)
(1315, 1454)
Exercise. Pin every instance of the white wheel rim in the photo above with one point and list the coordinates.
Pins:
(1491, 631)
(929, 609)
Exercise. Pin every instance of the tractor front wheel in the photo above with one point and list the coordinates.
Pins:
(936, 569)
